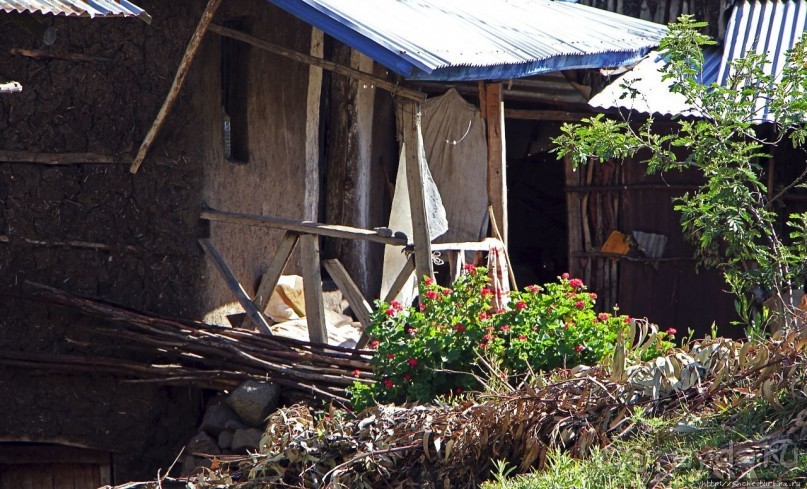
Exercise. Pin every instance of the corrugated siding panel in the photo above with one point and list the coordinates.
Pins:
(478, 39)
(771, 28)
(82, 8)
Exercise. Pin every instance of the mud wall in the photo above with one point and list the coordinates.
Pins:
(143, 228)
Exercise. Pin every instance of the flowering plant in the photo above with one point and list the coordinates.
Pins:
(435, 349)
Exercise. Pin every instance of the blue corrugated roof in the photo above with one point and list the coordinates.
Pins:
(770, 28)
(82, 8)
(452, 40)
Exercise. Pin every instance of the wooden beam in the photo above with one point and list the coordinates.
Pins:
(302, 227)
(312, 125)
(497, 160)
(312, 289)
(358, 304)
(415, 162)
(546, 115)
(57, 158)
(176, 86)
(272, 275)
(38, 54)
(252, 312)
(377, 81)
(401, 280)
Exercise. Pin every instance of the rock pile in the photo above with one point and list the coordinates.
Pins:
(232, 424)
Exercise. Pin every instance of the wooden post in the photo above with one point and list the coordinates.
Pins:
(358, 304)
(311, 198)
(272, 275)
(176, 86)
(415, 162)
(497, 159)
(252, 312)
(400, 280)
(312, 277)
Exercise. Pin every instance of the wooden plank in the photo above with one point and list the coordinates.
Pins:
(401, 279)
(257, 318)
(574, 217)
(497, 160)
(415, 162)
(377, 81)
(546, 115)
(176, 86)
(39, 54)
(57, 158)
(312, 125)
(273, 273)
(358, 304)
(21, 455)
(454, 265)
(63, 476)
(312, 283)
(302, 227)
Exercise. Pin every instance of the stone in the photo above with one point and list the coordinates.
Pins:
(216, 419)
(253, 401)
(204, 444)
(247, 439)
(225, 439)
(234, 424)
(193, 465)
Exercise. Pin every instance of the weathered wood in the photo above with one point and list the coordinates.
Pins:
(58, 158)
(415, 162)
(573, 217)
(497, 160)
(302, 227)
(324, 64)
(238, 291)
(20, 454)
(10, 87)
(496, 232)
(546, 115)
(358, 304)
(87, 245)
(312, 124)
(401, 279)
(454, 264)
(312, 284)
(38, 54)
(273, 273)
(176, 86)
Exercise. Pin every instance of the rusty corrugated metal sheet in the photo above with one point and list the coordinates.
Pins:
(78, 8)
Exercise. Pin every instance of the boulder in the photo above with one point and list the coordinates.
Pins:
(253, 401)
(203, 443)
(248, 439)
(216, 419)
(225, 439)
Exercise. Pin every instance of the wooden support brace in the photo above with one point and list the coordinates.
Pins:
(312, 277)
(358, 304)
(401, 279)
(176, 86)
(272, 275)
(497, 160)
(415, 162)
(252, 312)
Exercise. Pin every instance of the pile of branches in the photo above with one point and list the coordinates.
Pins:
(200, 354)
(457, 445)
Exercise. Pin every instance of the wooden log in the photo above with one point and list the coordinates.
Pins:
(497, 160)
(312, 277)
(176, 86)
(358, 304)
(546, 115)
(254, 315)
(312, 126)
(39, 54)
(272, 275)
(415, 163)
(302, 227)
(86, 245)
(374, 80)
(401, 279)
(57, 158)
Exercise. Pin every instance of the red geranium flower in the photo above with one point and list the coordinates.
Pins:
(391, 356)
(356, 373)
(484, 315)
(533, 288)
(521, 305)
(447, 291)
(672, 331)
(579, 304)
(627, 319)
(460, 327)
(505, 328)
(396, 305)
(470, 268)
(576, 283)
(374, 344)
(579, 348)
(410, 330)
(603, 316)
(483, 345)
(413, 362)
(565, 275)
(431, 295)
(388, 383)
(486, 292)
(407, 377)
(428, 280)
(522, 337)
(422, 307)
(390, 312)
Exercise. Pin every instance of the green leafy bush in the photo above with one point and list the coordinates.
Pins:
(436, 349)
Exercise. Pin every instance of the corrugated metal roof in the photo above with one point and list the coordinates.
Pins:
(770, 28)
(451, 40)
(766, 27)
(652, 93)
(81, 8)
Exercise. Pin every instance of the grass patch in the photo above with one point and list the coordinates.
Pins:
(673, 452)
